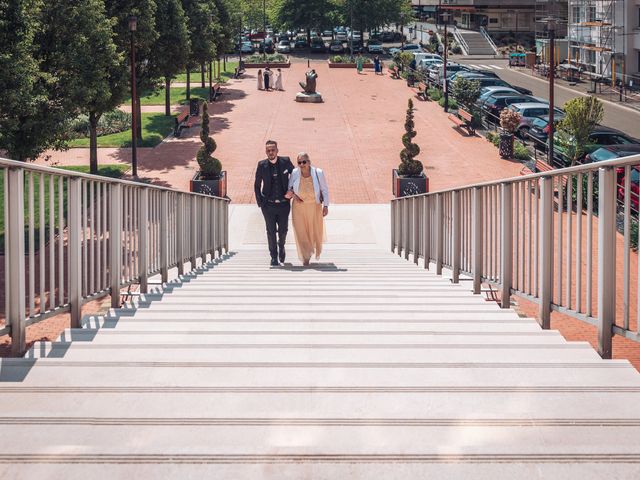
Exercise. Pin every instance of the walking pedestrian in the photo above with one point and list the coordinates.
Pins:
(260, 84)
(359, 64)
(267, 79)
(376, 65)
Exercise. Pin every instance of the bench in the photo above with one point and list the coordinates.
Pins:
(215, 91)
(181, 122)
(463, 119)
(394, 72)
(423, 91)
(238, 72)
(540, 167)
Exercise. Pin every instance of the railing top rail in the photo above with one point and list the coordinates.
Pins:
(619, 162)
(4, 162)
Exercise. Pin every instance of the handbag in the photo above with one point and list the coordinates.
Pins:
(318, 180)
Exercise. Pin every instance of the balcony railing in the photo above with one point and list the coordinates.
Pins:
(552, 238)
(69, 238)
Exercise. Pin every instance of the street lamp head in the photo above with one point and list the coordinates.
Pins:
(133, 23)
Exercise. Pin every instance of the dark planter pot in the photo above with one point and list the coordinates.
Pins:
(506, 145)
(407, 186)
(215, 188)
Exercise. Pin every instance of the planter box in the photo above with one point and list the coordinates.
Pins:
(348, 65)
(215, 188)
(270, 65)
(407, 186)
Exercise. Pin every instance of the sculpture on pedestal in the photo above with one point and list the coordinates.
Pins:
(310, 86)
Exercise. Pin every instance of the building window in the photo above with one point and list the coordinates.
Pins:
(493, 20)
(591, 14)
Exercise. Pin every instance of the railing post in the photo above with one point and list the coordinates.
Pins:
(393, 225)
(74, 228)
(400, 226)
(115, 238)
(426, 232)
(477, 240)
(193, 241)
(225, 209)
(606, 259)
(180, 232)
(143, 220)
(416, 229)
(407, 224)
(546, 251)
(15, 287)
(507, 244)
(455, 254)
(439, 233)
(164, 236)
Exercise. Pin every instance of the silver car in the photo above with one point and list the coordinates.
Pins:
(284, 46)
(529, 111)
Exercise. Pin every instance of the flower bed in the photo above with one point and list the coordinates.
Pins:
(272, 61)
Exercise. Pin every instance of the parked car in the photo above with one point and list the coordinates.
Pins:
(409, 47)
(600, 136)
(356, 45)
(529, 111)
(266, 46)
(495, 104)
(539, 132)
(342, 35)
(390, 36)
(336, 46)
(375, 47)
(327, 33)
(484, 81)
(426, 63)
(284, 46)
(486, 92)
(246, 47)
(301, 42)
(611, 152)
(318, 45)
(426, 56)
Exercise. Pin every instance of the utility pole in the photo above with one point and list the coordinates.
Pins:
(551, 29)
(445, 19)
(133, 26)
(351, 28)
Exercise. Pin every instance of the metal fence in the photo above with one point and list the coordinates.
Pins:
(564, 239)
(69, 238)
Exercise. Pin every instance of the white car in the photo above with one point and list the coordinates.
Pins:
(284, 46)
(409, 47)
(426, 63)
(419, 56)
(375, 46)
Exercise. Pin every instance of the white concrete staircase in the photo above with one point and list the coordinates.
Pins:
(477, 44)
(366, 366)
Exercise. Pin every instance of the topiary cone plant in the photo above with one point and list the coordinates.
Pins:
(409, 166)
(210, 167)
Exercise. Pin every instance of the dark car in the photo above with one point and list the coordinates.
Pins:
(301, 42)
(494, 105)
(599, 137)
(356, 45)
(267, 46)
(539, 132)
(318, 45)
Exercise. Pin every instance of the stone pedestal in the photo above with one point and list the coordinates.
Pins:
(309, 97)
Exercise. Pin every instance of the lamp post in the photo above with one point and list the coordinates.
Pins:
(551, 29)
(445, 84)
(264, 28)
(133, 26)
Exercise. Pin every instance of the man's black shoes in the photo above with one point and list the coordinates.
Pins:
(274, 262)
(282, 255)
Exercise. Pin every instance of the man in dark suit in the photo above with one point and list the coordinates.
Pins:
(273, 197)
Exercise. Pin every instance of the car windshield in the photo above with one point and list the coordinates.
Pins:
(374, 42)
(284, 42)
(539, 123)
(603, 154)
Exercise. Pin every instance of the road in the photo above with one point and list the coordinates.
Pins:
(615, 116)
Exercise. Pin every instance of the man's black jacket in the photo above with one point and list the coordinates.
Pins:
(262, 185)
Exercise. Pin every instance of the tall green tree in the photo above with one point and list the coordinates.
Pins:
(148, 75)
(203, 31)
(307, 14)
(173, 44)
(582, 115)
(32, 110)
(91, 73)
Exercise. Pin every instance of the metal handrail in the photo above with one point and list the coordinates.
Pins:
(533, 236)
(460, 39)
(486, 35)
(72, 237)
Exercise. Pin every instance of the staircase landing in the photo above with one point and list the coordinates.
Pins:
(363, 366)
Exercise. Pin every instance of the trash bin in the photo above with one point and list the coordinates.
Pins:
(194, 107)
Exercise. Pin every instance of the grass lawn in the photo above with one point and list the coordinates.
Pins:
(155, 127)
(178, 96)
(112, 171)
(196, 76)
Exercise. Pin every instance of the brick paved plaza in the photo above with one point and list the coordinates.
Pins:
(355, 136)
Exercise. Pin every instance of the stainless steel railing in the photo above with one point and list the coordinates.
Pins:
(68, 238)
(564, 239)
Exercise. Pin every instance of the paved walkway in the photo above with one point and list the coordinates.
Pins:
(355, 136)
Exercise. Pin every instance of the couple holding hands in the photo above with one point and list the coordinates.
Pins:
(277, 185)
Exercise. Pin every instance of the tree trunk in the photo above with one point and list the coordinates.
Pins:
(167, 96)
(93, 143)
(309, 37)
(139, 117)
(203, 69)
(188, 84)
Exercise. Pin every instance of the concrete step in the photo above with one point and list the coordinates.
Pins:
(318, 354)
(423, 407)
(262, 337)
(175, 372)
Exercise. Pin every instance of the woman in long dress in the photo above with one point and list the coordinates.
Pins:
(359, 64)
(278, 84)
(310, 206)
(260, 83)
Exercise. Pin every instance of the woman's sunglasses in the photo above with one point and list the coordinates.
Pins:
(302, 162)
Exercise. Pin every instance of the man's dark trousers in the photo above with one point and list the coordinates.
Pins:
(276, 218)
